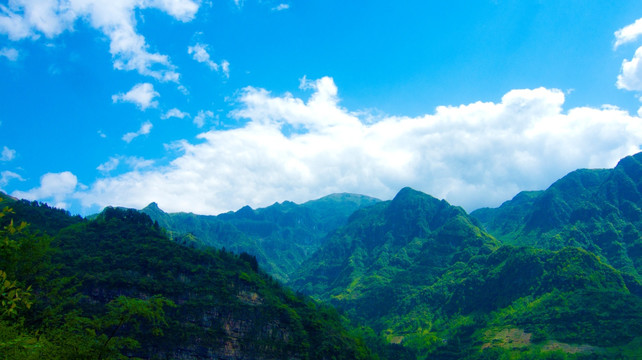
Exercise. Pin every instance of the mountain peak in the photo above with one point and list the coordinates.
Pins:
(152, 205)
(152, 208)
(415, 206)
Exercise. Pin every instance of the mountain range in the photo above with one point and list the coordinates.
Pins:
(550, 274)
(281, 236)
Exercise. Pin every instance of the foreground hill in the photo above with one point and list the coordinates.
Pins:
(281, 236)
(136, 286)
(426, 276)
(597, 210)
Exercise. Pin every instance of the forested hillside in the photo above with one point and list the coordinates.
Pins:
(597, 210)
(425, 275)
(552, 274)
(117, 287)
(281, 236)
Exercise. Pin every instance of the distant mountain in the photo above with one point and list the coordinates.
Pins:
(224, 307)
(425, 275)
(597, 210)
(281, 236)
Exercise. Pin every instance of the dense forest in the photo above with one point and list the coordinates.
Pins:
(116, 286)
(550, 274)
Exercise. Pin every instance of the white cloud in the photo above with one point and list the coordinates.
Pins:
(145, 129)
(115, 19)
(628, 33)
(54, 187)
(7, 154)
(225, 68)
(473, 155)
(183, 90)
(281, 7)
(108, 166)
(174, 113)
(630, 77)
(134, 163)
(199, 119)
(10, 53)
(141, 94)
(137, 163)
(200, 54)
(6, 176)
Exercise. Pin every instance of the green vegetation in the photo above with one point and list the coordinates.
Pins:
(281, 236)
(424, 275)
(117, 287)
(551, 274)
(597, 210)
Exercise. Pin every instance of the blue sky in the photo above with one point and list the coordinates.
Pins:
(207, 106)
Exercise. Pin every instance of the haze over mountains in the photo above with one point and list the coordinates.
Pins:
(549, 274)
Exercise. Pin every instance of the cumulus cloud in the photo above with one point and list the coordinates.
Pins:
(10, 53)
(628, 33)
(145, 129)
(203, 115)
(30, 19)
(7, 154)
(200, 54)
(54, 187)
(141, 94)
(174, 113)
(630, 77)
(473, 155)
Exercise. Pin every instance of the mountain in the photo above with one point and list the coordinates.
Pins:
(99, 287)
(407, 241)
(425, 275)
(597, 210)
(281, 236)
(522, 302)
(552, 274)
(390, 252)
(41, 217)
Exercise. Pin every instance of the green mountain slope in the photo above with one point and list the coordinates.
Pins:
(41, 217)
(598, 210)
(411, 239)
(224, 307)
(424, 275)
(281, 236)
(520, 299)
(389, 253)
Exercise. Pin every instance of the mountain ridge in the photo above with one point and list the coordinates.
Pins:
(280, 235)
